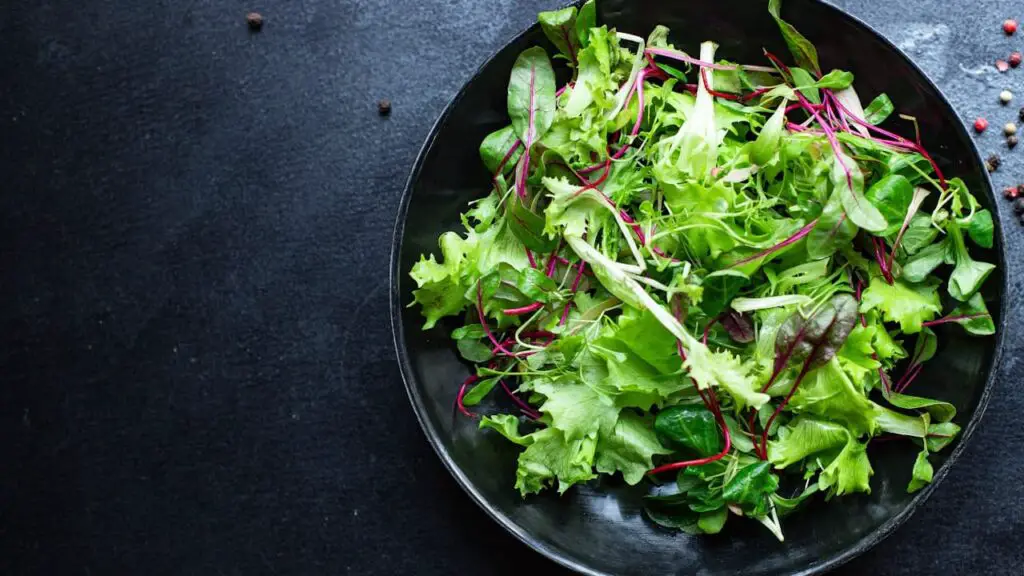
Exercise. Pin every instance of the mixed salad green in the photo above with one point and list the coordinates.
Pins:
(693, 270)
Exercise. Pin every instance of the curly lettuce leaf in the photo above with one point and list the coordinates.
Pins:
(550, 458)
(908, 304)
(629, 448)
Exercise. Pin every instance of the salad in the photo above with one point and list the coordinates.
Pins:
(720, 279)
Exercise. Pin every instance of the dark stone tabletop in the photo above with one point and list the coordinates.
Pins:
(195, 221)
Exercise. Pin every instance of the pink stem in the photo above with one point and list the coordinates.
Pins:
(523, 310)
(551, 260)
(521, 173)
(575, 286)
(462, 392)
(683, 57)
(568, 44)
(483, 321)
(914, 146)
(791, 240)
(910, 376)
(529, 256)
(949, 319)
(526, 408)
(508, 156)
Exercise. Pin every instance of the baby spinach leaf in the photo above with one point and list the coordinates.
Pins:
(495, 148)
(848, 180)
(474, 350)
(832, 231)
(690, 426)
(480, 390)
(682, 519)
(980, 228)
(713, 522)
(922, 264)
(919, 234)
(891, 195)
(467, 338)
(922, 473)
(536, 285)
(835, 80)
(879, 109)
(973, 315)
(751, 484)
(969, 274)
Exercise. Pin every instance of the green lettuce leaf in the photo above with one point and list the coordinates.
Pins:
(629, 448)
(549, 457)
(908, 304)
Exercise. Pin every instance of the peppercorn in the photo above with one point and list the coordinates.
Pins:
(1010, 192)
(1002, 65)
(1018, 205)
(254, 20)
(1010, 129)
(384, 107)
(1015, 59)
(1011, 141)
(1005, 96)
(1020, 114)
(981, 124)
(1009, 26)
(993, 163)
(1020, 190)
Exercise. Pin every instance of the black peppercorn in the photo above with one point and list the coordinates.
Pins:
(384, 107)
(1020, 190)
(1018, 205)
(993, 163)
(1021, 114)
(1011, 141)
(254, 20)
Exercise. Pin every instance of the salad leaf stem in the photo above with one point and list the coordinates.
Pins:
(473, 378)
(684, 57)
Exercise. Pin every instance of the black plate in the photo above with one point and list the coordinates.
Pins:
(598, 528)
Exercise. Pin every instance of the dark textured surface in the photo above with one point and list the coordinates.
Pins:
(194, 234)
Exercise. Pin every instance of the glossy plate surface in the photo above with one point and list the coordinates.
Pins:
(598, 528)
